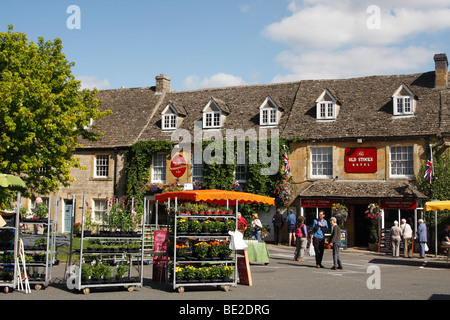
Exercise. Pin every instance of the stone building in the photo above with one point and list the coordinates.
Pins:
(353, 141)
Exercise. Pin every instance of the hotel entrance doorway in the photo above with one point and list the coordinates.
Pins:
(362, 225)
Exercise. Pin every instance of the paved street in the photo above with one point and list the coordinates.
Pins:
(285, 279)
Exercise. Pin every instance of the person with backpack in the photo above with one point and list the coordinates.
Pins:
(301, 241)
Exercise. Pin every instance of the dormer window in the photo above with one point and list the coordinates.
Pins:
(169, 118)
(326, 106)
(404, 102)
(268, 113)
(212, 115)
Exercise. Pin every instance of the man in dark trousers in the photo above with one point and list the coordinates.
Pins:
(319, 228)
(335, 242)
(277, 221)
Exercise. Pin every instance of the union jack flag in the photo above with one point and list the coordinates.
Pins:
(429, 168)
(287, 167)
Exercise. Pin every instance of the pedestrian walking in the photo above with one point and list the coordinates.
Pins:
(407, 239)
(319, 228)
(422, 238)
(301, 241)
(291, 221)
(277, 221)
(335, 242)
(396, 236)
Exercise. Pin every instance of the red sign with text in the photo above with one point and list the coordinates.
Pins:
(319, 203)
(361, 160)
(178, 166)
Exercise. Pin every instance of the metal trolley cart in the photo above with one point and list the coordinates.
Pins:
(110, 262)
(181, 262)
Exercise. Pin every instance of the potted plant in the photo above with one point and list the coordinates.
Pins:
(195, 226)
(202, 273)
(181, 250)
(230, 225)
(373, 212)
(373, 239)
(182, 226)
(180, 274)
(224, 250)
(340, 211)
(86, 273)
(189, 273)
(200, 250)
(213, 250)
(206, 227)
(121, 270)
(215, 273)
(227, 273)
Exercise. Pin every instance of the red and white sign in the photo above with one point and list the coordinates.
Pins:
(361, 160)
(398, 204)
(317, 203)
(178, 166)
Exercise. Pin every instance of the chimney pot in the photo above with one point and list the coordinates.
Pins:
(162, 83)
(441, 70)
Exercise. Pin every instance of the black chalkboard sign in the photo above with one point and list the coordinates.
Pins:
(384, 241)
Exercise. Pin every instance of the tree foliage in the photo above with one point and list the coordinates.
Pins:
(43, 112)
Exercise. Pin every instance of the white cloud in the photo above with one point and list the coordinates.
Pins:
(354, 62)
(216, 80)
(338, 23)
(91, 82)
(331, 38)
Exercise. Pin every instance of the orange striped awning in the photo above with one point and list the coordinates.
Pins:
(215, 196)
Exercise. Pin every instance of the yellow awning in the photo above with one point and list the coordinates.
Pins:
(437, 205)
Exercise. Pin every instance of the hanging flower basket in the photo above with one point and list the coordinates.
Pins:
(340, 211)
(373, 211)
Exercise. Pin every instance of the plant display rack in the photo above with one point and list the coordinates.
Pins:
(39, 252)
(110, 262)
(194, 264)
(8, 252)
(36, 257)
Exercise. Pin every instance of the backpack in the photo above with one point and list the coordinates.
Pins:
(299, 231)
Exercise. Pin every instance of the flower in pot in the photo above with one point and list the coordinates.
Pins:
(86, 272)
(206, 226)
(202, 273)
(200, 249)
(121, 270)
(215, 272)
(217, 226)
(179, 273)
(195, 226)
(230, 225)
(181, 249)
(227, 272)
(182, 225)
(213, 250)
(224, 249)
(180, 209)
(189, 272)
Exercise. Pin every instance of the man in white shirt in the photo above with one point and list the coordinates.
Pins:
(407, 239)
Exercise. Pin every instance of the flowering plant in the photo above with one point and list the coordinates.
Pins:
(155, 188)
(283, 191)
(200, 249)
(213, 248)
(174, 186)
(77, 227)
(181, 249)
(340, 211)
(182, 224)
(197, 185)
(40, 209)
(236, 186)
(373, 211)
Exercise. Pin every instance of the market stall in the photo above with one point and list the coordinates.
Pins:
(435, 206)
(188, 230)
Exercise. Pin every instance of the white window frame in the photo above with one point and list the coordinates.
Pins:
(159, 163)
(268, 113)
(241, 170)
(315, 163)
(326, 109)
(401, 159)
(95, 210)
(169, 120)
(212, 119)
(196, 169)
(98, 166)
(404, 105)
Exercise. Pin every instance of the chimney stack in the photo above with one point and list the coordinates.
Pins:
(441, 71)
(162, 83)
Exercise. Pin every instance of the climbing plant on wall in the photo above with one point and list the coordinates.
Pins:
(138, 161)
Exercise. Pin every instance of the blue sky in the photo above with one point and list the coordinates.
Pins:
(204, 43)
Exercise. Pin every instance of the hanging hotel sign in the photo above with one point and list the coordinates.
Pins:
(178, 166)
(361, 160)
